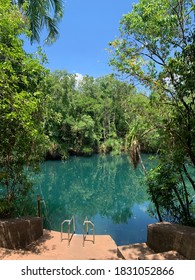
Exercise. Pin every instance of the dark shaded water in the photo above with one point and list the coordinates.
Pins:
(105, 188)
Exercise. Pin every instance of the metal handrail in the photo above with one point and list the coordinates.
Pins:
(87, 223)
(72, 220)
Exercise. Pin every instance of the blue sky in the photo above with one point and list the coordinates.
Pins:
(85, 31)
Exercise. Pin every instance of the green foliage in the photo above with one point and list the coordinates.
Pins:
(65, 115)
(156, 48)
(22, 141)
(39, 15)
(111, 145)
(90, 115)
(170, 192)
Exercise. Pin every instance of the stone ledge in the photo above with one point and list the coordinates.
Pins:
(20, 232)
(163, 237)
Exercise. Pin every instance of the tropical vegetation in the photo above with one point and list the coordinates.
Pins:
(156, 48)
(39, 15)
(21, 109)
(55, 115)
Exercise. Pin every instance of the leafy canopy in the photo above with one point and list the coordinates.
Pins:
(156, 48)
(22, 141)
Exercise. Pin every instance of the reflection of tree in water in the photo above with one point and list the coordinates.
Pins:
(104, 185)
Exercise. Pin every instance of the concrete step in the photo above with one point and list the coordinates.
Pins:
(134, 251)
(141, 251)
(169, 255)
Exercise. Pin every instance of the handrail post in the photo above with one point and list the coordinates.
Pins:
(39, 205)
(74, 224)
(69, 228)
(69, 233)
(87, 223)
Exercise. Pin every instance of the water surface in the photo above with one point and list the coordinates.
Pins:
(106, 189)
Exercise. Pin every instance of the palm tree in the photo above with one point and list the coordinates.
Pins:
(41, 14)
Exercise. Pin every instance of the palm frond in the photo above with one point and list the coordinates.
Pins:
(34, 15)
(40, 14)
(52, 28)
(57, 6)
(18, 3)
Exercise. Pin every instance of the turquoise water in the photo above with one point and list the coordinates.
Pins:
(106, 189)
